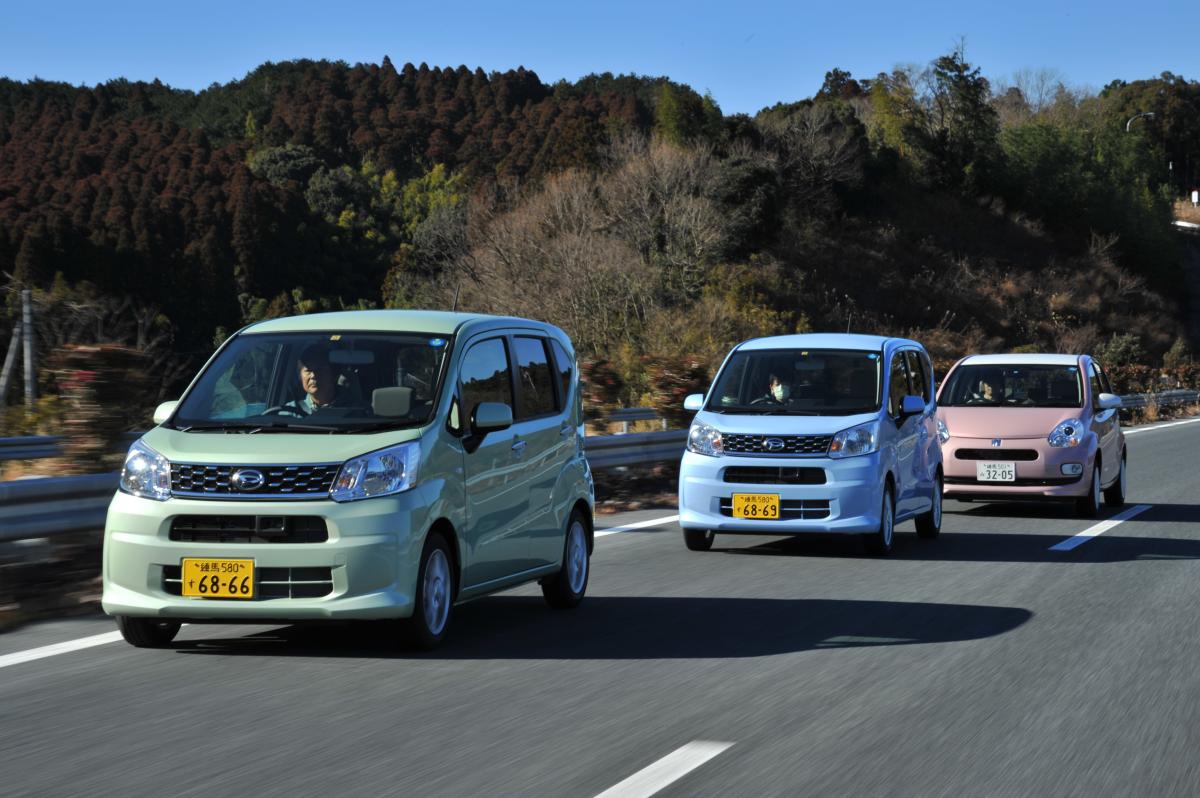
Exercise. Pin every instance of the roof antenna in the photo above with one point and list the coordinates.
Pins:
(457, 288)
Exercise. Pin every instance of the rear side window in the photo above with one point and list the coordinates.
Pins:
(485, 376)
(897, 385)
(566, 368)
(537, 384)
(919, 373)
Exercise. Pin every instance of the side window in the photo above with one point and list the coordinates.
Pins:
(1096, 387)
(898, 384)
(485, 376)
(919, 374)
(566, 371)
(537, 384)
(1104, 383)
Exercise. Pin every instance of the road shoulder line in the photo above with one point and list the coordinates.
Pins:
(637, 525)
(54, 649)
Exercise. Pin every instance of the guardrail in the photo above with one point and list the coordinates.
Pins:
(31, 508)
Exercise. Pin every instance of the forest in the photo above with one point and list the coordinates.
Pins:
(973, 214)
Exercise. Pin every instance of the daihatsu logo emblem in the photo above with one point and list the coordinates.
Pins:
(773, 444)
(247, 479)
(995, 443)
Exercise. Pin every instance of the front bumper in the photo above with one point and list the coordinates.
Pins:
(370, 558)
(1041, 477)
(852, 489)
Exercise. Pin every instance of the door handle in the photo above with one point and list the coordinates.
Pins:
(519, 448)
(565, 429)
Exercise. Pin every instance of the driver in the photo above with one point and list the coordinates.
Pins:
(319, 381)
(778, 392)
(988, 390)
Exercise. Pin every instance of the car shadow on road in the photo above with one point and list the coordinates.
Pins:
(623, 628)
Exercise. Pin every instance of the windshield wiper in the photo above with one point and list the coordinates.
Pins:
(382, 427)
(250, 429)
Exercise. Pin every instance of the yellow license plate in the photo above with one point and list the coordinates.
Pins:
(763, 506)
(224, 579)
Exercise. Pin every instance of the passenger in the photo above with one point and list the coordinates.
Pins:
(319, 381)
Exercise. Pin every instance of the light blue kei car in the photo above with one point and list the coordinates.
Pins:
(823, 433)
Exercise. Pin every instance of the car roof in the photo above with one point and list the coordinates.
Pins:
(1023, 359)
(874, 343)
(435, 322)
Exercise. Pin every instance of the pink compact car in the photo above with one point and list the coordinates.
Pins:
(1017, 427)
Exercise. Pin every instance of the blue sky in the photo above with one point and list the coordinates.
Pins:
(747, 54)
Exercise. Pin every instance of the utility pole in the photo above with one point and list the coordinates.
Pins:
(27, 339)
(1135, 117)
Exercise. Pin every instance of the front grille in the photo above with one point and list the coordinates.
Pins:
(309, 481)
(249, 529)
(755, 475)
(1023, 455)
(270, 583)
(1020, 482)
(790, 509)
(791, 444)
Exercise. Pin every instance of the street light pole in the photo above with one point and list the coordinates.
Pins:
(1135, 117)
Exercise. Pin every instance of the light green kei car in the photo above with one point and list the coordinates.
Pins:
(356, 465)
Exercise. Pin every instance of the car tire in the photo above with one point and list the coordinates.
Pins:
(1114, 494)
(1089, 506)
(699, 539)
(566, 589)
(929, 525)
(147, 632)
(434, 597)
(880, 542)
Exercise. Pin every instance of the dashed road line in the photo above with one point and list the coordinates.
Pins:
(639, 525)
(1099, 529)
(666, 771)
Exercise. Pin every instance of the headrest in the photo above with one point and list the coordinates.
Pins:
(391, 402)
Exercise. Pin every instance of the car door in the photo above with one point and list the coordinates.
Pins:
(541, 445)
(905, 437)
(1104, 424)
(495, 504)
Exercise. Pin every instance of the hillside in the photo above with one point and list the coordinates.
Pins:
(629, 210)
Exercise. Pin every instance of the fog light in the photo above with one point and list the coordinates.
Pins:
(1072, 469)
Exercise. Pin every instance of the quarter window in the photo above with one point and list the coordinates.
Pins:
(565, 371)
(485, 376)
(537, 384)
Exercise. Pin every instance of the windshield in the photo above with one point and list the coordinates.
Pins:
(1013, 386)
(317, 382)
(807, 382)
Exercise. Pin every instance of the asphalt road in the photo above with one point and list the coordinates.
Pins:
(981, 663)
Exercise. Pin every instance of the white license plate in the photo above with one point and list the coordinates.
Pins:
(992, 471)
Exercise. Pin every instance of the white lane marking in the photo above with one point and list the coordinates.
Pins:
(639, 525)
(58, 648)
(1135, 430)
(1099, 529)
(669, 769)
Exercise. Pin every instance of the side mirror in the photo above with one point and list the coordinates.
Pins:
(165, 411)
(912, 406)
(491, 417)
(1109, 401)
(694, 402)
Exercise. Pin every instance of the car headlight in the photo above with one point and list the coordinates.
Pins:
(705, 439)
(852, 442)
(943, 431)
(146, 473)
(381, 473)
(1068, 433)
